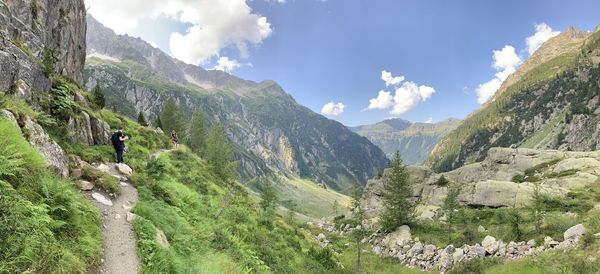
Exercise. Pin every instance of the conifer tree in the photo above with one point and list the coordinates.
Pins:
(398, 209)
(268, 203)
(359, 215)
(450, 207)
(219, 154)
(98, 97)
(197, 140)
(142, 120)
(172, 117)
(158, 123)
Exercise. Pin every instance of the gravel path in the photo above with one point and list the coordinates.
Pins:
(119, 248)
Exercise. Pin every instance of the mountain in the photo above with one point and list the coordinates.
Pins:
(414, 140)
(274, 135)
(551, 102)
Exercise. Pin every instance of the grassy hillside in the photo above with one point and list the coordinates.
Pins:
(46, 225)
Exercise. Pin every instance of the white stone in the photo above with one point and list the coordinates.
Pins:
(490, 244)
(85, 185)
(130, 217)
(124, 169)
(101, 199)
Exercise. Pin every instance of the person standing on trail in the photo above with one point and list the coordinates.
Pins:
(174, 139)
(118, 141)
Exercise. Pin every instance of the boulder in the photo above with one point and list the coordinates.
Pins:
(124, 169)
(80, 128)
(549, 242)
(449, 249)
(398, 237)
(477, 250)
(416, 249)
(50, 150)
(85, 185)
(574, 232)
(481, 229)
(321, 237)
(490, 244)
(103, 168)
(531, 243)
(76, 173)
(100, 131)
(576, 163)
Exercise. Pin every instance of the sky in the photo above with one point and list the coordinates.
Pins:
(357, 61)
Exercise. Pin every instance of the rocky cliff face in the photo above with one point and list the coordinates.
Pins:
(550, 103)
(414, 140)
(505, 178)
(273, 135)
(34, 28)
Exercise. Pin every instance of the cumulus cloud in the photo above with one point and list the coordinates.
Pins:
(429, 120)
(333, 109)
(543, 32)
(391, 80)
(406, 95)
(228, 65)
(215, 24)
(506, 62)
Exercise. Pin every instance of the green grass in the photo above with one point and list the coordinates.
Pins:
(46, 226)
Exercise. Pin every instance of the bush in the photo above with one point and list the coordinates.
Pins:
(442, 181)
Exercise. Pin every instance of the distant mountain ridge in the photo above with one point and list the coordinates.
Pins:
(551, 102)
(274, 135)
(414, 140)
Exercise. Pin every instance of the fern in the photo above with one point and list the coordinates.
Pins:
(11, 162)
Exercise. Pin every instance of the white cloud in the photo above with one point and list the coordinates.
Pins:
(406, 96)
(333, 109)
(506, 62)
(228, 65)
(543, 32)
(391, 80)
(429, 120)
(215, 24)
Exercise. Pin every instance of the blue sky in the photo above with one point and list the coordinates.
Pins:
(335, 50)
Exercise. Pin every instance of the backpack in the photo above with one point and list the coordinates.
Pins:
(114, 139)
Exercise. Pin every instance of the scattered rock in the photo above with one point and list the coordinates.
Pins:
(398, 237)
(161, 238)
(449, 249)
(85, 185)
(124, 169)
(117, 216)
(101, 199)
(574, 232)
(76, 173)
(490, 244)
(321, 237)
(103, 168)
(481, 229)
(531, 243)
(130, 217)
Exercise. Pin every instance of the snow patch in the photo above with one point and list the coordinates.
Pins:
(103, 57)
(202, 84)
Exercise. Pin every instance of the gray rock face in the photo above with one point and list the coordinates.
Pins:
(38, 24)
(100, 131)
(52, 152)
(80, 128)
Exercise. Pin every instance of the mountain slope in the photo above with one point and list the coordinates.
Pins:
(550, 103)
(414, 140)
(274, 134)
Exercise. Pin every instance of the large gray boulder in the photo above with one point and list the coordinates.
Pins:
(100, 131)
(81, 130)
(490, 244)
(50, 150)
(574, 232)
(10, 117)
(400, 236)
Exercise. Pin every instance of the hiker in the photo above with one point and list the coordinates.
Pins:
(118, 141)
(174, 138)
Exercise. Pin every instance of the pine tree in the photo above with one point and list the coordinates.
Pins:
(142, 120)
(172, 117)
(197, 140)
(98, 96)
(268, 203)
(336, 208)
(158, 123)
(219, 154)
(450, 207)
(537, 206)
(359, 215)
(398, 209)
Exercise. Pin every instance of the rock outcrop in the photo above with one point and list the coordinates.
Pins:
(89, 130)
(32, 28)
(50, 150)
(491, 183)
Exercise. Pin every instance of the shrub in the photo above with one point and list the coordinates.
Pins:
(442, 181)
(475, 266)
